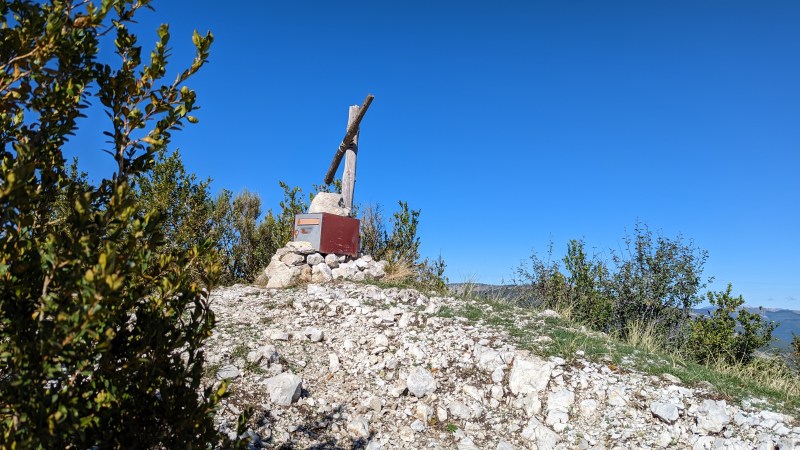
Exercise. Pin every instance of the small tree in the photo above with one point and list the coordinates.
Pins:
(657, 281)
(291, 205)
(588, 282)
(100, 334)
(374, 239)
(794, 352)
(403, 242)
(183, 202)
(730, 334)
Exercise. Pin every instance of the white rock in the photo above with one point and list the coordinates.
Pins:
(418, 426)
(664, 439)
(332, 260)
(321, 273)
(301, 247)
(333, 363)
(263, 354)
(292, 259)
(535, 431)
(420, 382)
(459, 410)
(467, 444)
(549, 313)
(280, 275)
(314, 259)
(359, 427)
(497, 392)
(712, 416)
(503, 445)
(328, 202)
(346, 271)
(397, 389)
(228, 372)
(488, 359)
(284, 388)
(617, 396)
(279, 336)
(381, 340)
(314, 334)
(529, 375)
(498, 374)
(558, 405)
(665, 411)
(588, 407)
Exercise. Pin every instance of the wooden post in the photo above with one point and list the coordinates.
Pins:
(349, 173)
(352, 130)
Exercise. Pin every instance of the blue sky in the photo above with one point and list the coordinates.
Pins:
(511, 124)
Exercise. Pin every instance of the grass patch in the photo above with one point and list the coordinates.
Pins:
(776, 384)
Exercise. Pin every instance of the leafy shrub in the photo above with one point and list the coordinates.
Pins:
(100, 333)
(657, 280)
(794, 352)
(244, 243)
(541, 283)
(730, 334)
(400, 248)
(183, 203)
(654, 282)
(374, 239)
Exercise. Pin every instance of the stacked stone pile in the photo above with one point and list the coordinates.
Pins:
(298, 263)
(346, 365)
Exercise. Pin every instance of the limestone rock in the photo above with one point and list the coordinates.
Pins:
(537, 432)
(465, 377)
(332, 260)
(459, 410)
(328, 202)
(228, 372)
(314, 334)
(712, 416)
(529, 375)
(314, 259)
(665, 411)
(281, 276)
(292, 259)
(263, 354)
(359, 427)
(321, 273)
(420, 382)
(300, 247)
(284, 388)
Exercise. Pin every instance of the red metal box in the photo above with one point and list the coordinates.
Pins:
(328, 233)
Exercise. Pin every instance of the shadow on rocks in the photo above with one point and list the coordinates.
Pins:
(317, 428)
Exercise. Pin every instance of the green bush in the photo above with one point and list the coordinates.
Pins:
(657, 280)
(101, 332)
(400, 248)
(183, 203)
(794, 352)
(587, 288)
(654, 281)
(374, 239)
(730, 334)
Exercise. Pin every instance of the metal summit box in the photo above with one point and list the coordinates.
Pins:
(328, 233)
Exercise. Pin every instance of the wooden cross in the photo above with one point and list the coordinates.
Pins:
(349, 149)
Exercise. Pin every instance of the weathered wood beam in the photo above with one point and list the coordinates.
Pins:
(349, 171)
(352, 131)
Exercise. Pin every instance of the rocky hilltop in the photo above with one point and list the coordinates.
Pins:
(345, 365)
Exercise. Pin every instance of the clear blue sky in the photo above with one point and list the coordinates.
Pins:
(510, 124)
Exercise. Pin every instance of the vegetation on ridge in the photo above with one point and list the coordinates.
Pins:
(102, 321)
